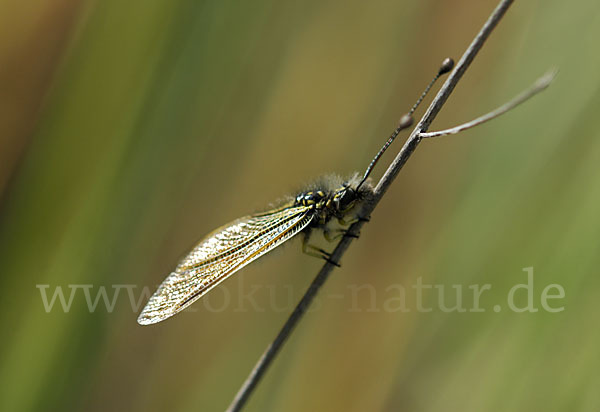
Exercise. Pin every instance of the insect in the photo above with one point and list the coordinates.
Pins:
(233, 246)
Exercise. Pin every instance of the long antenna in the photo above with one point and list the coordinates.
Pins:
(407, 120)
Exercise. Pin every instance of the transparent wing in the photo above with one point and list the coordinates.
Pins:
(219, 255)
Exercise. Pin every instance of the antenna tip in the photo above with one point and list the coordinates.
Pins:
(447, 65)
(405, 121)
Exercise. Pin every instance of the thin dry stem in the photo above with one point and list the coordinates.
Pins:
(407, 150)
(539, 85)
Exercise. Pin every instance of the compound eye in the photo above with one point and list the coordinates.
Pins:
(347, 199)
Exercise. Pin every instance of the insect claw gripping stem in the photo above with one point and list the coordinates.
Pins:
(352, 235)
(327, 257)
(329, 260)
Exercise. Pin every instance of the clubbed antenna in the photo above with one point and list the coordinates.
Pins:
(407, 120)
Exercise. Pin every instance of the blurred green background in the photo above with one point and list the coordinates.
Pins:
(128, 130)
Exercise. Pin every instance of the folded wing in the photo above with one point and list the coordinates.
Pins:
(221, 254)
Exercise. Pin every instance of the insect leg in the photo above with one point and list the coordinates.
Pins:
(315, 251)
(344, 222)
(338, 234)
(349, 222)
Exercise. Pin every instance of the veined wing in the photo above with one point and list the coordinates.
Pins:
(219, 255)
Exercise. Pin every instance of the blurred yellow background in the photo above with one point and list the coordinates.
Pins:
(128, 130)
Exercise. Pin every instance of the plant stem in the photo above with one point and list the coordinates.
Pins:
(407, 150)
(537, 87)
